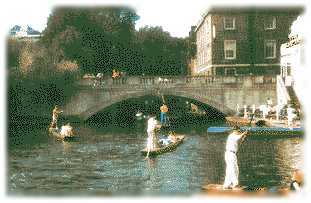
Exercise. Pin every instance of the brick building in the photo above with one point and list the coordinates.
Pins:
(235, 41)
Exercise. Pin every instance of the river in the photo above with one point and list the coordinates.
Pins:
(108, 162)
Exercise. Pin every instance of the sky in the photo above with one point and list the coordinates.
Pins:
(174, 16)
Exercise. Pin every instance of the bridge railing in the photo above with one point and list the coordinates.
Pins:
(169, 81)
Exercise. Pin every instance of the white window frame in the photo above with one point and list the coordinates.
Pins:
(227, 48)
(233, 23)
(274, 49)
(273, 18)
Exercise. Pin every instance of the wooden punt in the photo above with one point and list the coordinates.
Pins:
(168, 148)
(217, 189)
(55, 132)
(232, 121)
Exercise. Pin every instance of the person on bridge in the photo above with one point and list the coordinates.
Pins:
(152, 141)
(232, 168)
(164, 110)
(56, 111)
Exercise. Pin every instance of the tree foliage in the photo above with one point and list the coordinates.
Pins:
(97, 38)
(13, 52)
(38, 84)
(102, 39)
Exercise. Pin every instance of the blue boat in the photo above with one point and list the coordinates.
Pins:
(260, 131)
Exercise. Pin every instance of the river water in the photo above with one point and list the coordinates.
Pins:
(108, 162)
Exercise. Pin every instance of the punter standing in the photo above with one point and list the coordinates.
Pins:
(232, 168)
(152, 141)
(56, 111)
(164, 110)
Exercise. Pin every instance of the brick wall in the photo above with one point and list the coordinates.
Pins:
(250, 35)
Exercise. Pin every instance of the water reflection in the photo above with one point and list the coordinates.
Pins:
(109, 163)
(67, 146)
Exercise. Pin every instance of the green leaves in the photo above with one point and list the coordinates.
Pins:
(101, 39)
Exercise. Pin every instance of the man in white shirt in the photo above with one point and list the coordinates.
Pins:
(152, 141)
(232, 168)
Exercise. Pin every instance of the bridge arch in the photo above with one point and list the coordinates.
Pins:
(222, 93)
(100, 105)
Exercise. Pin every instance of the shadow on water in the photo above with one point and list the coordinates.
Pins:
(25, 132)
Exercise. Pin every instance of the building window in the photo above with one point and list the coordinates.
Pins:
(230, 49)
(270, 23)
(229, 23)
(230, 71)
(270, 49)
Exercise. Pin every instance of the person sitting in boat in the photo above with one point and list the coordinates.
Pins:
(164, 141)
(152, 140)
(172, 136)
(232, 168)
(66, 130)
(297, 180)
(246, 115)
(56, 111)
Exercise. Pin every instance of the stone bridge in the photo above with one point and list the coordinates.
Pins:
(222, 92)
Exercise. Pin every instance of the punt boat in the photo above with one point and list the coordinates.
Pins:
(170, 147)
(56, 133)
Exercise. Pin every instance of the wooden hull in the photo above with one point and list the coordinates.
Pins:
(216, 189)
(54, 132)
(232, 121)
(261, 131)
(165, 149)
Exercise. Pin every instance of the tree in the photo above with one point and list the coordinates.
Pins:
(97, 38)
(163, 54)
(13, 51)
(102, 39)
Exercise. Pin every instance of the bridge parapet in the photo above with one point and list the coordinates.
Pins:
(186, 81)
(222, 93)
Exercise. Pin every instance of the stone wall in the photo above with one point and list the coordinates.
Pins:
(222, 93)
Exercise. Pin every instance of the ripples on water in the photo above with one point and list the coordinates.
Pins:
(110, 163)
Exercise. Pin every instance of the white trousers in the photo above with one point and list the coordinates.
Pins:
(149, 142)
(152, 140)
(232, 170)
